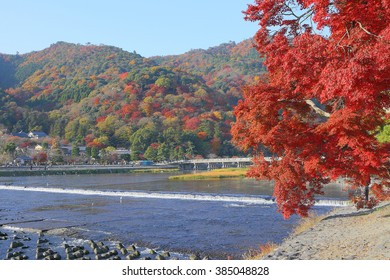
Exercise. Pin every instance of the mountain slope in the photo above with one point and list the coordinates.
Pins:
(102, 96)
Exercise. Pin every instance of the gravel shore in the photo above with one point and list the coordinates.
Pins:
(344, 234)
(18, 244)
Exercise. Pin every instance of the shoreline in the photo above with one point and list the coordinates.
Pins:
(344, 234)
(84, 169)
(57, 244)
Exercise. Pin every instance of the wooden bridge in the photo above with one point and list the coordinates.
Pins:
(213, 163)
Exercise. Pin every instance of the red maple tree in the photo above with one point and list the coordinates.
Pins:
(325, 95)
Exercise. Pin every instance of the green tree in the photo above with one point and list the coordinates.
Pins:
(190, 150)
(142, 138)
(217, 131)
(56, 156)
(164, 82)
(151, 154)
(58, 123)
(108, 126)
(95, 152)
(10, 148)
(172, 136)
(384, 134)
(207, 127)
(163, 152)
(122, 136)
(71, 130)
(179, 153)
(134, 155)
(88, 151)
(75, 150)
(125, 157)
(45, 145)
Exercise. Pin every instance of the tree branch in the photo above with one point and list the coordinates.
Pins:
(317, 109)
(365, 30)
(312, 105)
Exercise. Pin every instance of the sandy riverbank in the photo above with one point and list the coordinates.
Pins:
(344, 234)
(224, 173)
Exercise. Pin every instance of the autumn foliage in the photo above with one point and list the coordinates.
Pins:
(381, 191)
(105, 97)
(325, 96)
(40, 158)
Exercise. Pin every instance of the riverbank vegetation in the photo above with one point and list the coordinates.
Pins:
(224, 173)
(259, 253)
(74, 171)
(303, 225)
(307, 223)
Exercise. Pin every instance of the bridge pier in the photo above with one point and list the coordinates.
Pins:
(211, 166)
(227, 164)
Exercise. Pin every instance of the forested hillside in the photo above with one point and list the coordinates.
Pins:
(101, 96)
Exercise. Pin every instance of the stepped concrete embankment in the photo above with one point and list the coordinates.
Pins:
(344, 234)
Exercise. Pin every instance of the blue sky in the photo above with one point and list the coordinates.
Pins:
(150, 27)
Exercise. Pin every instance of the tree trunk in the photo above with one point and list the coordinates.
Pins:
(366, 191)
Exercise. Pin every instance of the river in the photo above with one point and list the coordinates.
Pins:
(217, 218)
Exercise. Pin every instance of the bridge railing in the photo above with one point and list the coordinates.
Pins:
(218, 160)
(213, 160)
